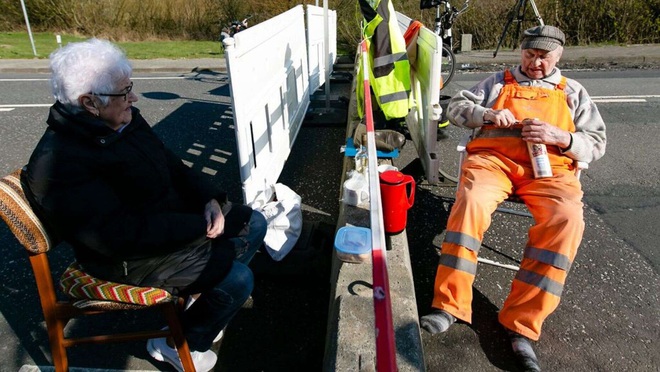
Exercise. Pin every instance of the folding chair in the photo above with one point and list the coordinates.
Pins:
(88, 295)
(462, 149)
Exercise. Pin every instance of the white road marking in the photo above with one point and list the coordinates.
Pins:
(9, 107)
(623, 99)
(604, 99)
(24, 79)
(35, 368)
(618, 100)
(615, 97)
(597, 99)
(132, 78)
(26, 105)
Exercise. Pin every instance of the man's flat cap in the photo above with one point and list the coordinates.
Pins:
(543, 37)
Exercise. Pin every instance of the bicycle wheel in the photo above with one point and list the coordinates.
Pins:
(448, 65)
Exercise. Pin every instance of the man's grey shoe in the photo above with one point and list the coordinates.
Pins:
(437, 322)
(162, 352)
(522, 348)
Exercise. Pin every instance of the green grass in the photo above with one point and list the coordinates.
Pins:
(15, 45)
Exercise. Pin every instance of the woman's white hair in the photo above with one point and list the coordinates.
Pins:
(91, 66)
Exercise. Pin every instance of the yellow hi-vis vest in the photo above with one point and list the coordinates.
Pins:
(388, 61)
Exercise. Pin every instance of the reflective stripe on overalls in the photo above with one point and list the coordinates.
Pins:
(500, 162)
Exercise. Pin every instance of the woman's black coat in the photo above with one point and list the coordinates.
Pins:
(116, 196)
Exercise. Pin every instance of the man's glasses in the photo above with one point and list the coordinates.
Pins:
(128, 90)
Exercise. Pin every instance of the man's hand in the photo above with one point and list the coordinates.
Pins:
(215, 220)
(537, 131)
(500, 118)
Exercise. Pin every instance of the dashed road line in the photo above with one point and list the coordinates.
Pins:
(618, 100)
(132, 78)
(26, 105)
(623, 99)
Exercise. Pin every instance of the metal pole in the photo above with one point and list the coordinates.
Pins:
(326, 53)
(536, 12)
(27, 22)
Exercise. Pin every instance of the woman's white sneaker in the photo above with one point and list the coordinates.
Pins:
(219, 336)
(162, 352)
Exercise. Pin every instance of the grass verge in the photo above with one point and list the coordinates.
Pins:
(17, 45)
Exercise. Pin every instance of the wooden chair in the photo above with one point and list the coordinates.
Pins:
(88, 295)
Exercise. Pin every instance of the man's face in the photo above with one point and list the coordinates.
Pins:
(539, 63)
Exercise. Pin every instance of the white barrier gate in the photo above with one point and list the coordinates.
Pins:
(269, 82)
(422, 120)
(316, 48)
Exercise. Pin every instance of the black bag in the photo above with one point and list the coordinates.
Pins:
(237, 218)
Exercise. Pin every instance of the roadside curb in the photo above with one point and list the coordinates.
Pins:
(350, 342)
(610, 57)
(593, 57)
(161, 65)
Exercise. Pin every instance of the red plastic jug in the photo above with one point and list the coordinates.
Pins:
(397, 192)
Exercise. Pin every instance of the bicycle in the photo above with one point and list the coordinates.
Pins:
(234, 27)
(518, 12)
(444, 20)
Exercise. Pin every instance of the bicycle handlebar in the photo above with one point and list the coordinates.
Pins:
(450, 12)
(463, 9)
(455, 12)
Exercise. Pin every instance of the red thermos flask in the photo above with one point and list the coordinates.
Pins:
(397, 192)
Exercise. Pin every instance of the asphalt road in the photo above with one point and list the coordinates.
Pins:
(609, 311)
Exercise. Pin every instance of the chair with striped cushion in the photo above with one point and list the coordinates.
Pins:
(87, 295)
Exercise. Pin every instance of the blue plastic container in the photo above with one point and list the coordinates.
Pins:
(353, 244)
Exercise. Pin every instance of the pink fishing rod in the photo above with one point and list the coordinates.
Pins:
(385, 346)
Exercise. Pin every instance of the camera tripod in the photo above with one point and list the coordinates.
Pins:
(518, 12)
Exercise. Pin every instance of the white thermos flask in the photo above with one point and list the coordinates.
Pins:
(538, 153)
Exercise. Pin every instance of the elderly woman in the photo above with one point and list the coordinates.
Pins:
(131, 210)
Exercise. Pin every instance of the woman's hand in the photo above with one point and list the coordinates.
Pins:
(500, 118)
(537, 131)
(215, 220)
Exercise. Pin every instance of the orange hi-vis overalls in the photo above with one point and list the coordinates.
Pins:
(498, 164)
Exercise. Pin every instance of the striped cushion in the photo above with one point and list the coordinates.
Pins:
(80, 285)
(31, 233)
(18, 215)
(105, 305)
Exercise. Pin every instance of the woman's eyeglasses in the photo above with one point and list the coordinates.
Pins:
(127, 90)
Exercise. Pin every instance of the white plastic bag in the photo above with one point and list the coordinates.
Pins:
(284, 216)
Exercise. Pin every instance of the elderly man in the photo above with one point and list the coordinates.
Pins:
(532, 103)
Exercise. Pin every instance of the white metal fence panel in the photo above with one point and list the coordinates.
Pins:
(422, 120)
(269, 82)
(316, 45)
